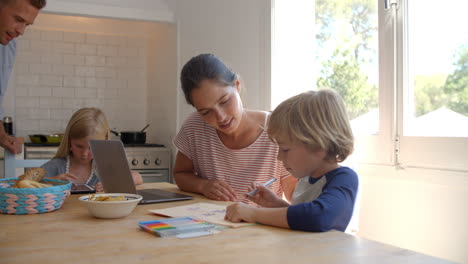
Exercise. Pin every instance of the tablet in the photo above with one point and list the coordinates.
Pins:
(82, 189)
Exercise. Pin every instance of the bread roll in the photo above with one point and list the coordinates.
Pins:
(31, 184)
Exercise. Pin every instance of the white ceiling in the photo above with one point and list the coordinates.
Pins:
(149, 10)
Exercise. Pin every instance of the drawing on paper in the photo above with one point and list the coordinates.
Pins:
(212, 213)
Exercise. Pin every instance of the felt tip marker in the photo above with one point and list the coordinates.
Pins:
(266, 184)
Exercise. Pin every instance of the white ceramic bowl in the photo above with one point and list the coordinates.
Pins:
(111, 209)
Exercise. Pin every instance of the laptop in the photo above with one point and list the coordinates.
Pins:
(114, 173)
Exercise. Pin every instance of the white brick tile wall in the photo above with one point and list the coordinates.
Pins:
(124, 51)
(28, 79)
(52, 35)
(21, 90)
(61, 114)
(41, 46)
(73, 81)
(27, 126)
(50, 102)
(50, 80)
(62, 47)
(116, 84)
(116, 41)
(59, 72)
(27, 56)
(74, 59)
(85, 93)
(105, 72)
(23, 101)
(32, 34)
(107, 93)
(55, 126)
(23, 44)
(21, 68)
(32, 113)
(107, 50)
(86, 49)
(116, 61)
(40, 91)
(52, 58)
(91, 82)
(63, 92)
(40, 68)
(95, 60)
(64, 70)
(95, 39)
(74, 37)
(85, 71)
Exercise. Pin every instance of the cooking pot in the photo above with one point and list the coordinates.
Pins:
(132, 137)
(44, 138)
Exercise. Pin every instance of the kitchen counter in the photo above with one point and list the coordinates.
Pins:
(70, 234)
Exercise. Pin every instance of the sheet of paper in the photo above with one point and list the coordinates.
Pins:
(211, 213)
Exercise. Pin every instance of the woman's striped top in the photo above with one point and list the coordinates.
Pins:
(238, 167)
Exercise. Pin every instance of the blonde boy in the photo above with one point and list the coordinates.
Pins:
(314, 135)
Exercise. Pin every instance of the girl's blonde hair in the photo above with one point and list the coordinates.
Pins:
(317, 119)
(86, 122)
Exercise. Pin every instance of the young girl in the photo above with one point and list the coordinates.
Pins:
(74, 160)
(313, 134)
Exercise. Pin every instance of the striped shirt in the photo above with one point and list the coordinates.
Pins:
(238, 167)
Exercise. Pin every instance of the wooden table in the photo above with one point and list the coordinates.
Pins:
(71, 235)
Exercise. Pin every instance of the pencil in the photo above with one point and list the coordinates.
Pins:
(265, 184)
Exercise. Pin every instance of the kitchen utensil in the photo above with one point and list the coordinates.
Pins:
(131, 137)
(143, 130)
(8, 125)
(44, 138)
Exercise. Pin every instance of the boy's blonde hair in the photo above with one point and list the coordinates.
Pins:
(86, 122)
(317, 119)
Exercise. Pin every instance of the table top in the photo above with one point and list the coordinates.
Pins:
(70, 234)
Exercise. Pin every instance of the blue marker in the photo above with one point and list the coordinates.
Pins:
(265, 184)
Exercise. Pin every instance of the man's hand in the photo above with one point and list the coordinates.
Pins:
(10, 143)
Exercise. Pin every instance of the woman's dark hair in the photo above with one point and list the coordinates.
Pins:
(204, 67)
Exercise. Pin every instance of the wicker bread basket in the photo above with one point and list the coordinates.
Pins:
(32, 200)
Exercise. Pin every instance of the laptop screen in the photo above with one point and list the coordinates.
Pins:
(112, 166)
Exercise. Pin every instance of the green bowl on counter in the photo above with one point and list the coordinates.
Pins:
(42, 138)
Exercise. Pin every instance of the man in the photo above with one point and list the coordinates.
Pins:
(15, 16)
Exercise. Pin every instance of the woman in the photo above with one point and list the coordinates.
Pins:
(223, 147)
(74, 160)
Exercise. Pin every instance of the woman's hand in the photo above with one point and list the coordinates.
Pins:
(219, 190)
(240, 212)
(265, 197)
(65, 177)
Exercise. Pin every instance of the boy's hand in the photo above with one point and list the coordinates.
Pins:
(265, 197)
(219, 190)
(240, 212)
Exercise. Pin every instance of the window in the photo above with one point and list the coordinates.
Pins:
(401, 68)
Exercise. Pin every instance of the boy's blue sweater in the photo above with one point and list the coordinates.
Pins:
(334, 206)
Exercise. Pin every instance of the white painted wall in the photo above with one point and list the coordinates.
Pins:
(237, 31)
(417, 209)
(162, 84)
